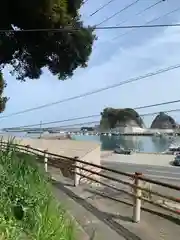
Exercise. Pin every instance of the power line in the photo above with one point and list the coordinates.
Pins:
(71, 29)
(101, 8)
(157, 104)
(153, 113)
(59, 121)
(142, 11)
(97, 122)
(151, 21)
(139, 13)
(97, 115)
(78, 124)
(141, 115)
(142, 26)
(117, 13)
(130, 80)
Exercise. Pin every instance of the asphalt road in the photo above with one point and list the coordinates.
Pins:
(167, 174)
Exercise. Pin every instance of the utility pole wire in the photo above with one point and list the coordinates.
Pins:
(142, 11)
(70, 29)
(139, 13)
(101, 8)
(117, 13)
(130, 80)
(153, 113)
(97, 122)
(151, 21)
(96, 115)
(141, 115)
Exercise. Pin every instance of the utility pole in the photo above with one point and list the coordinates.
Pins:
(40, 129)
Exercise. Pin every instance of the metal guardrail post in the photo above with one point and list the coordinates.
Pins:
(137, 201)
(27, 147)
(1, 143)
(76, 171)
(46, 160)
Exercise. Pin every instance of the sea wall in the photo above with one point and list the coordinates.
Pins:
(93, 156)
(89, 152)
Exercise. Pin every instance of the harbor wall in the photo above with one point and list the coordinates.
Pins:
(89, 152)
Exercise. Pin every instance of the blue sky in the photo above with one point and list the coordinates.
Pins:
(112, 61)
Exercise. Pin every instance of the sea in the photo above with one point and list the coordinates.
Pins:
(148, 144)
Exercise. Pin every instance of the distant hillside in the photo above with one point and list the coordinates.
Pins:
(111, 118)
(163, 121)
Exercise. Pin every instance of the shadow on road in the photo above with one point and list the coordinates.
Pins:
(102, 216)
(174, 219)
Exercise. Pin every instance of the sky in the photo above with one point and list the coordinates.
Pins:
(113, 60)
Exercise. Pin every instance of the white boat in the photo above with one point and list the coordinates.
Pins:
(173, 149)
(157, 134)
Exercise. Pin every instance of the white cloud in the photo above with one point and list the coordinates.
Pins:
(160, 51)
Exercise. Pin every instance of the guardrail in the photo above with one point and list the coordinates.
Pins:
(79, 167)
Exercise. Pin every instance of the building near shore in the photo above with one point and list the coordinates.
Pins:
(128, 128)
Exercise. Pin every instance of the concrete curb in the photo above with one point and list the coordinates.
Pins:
(80, 234)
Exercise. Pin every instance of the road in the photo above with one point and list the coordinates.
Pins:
(165, 174)
(169, 175)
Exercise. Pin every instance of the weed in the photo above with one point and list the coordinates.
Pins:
(28, 209)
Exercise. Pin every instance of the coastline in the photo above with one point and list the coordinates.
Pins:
(63, 146)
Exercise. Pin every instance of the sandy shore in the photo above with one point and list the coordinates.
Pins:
(139, 158)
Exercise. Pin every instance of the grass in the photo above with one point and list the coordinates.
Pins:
(28, 209)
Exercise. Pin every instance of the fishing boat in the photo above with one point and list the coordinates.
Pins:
(120, 150)
(173, 149)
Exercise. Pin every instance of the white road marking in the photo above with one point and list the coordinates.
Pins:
(161, 177)
(157, 176)
(137, 164)
(155, 171)
(162, 171)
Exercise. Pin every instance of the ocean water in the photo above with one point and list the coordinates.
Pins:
(140, 143)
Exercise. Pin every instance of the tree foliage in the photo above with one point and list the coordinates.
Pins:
(3, 100)
(28, 52)
(110, 117)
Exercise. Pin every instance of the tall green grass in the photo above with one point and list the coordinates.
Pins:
(28, 209)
